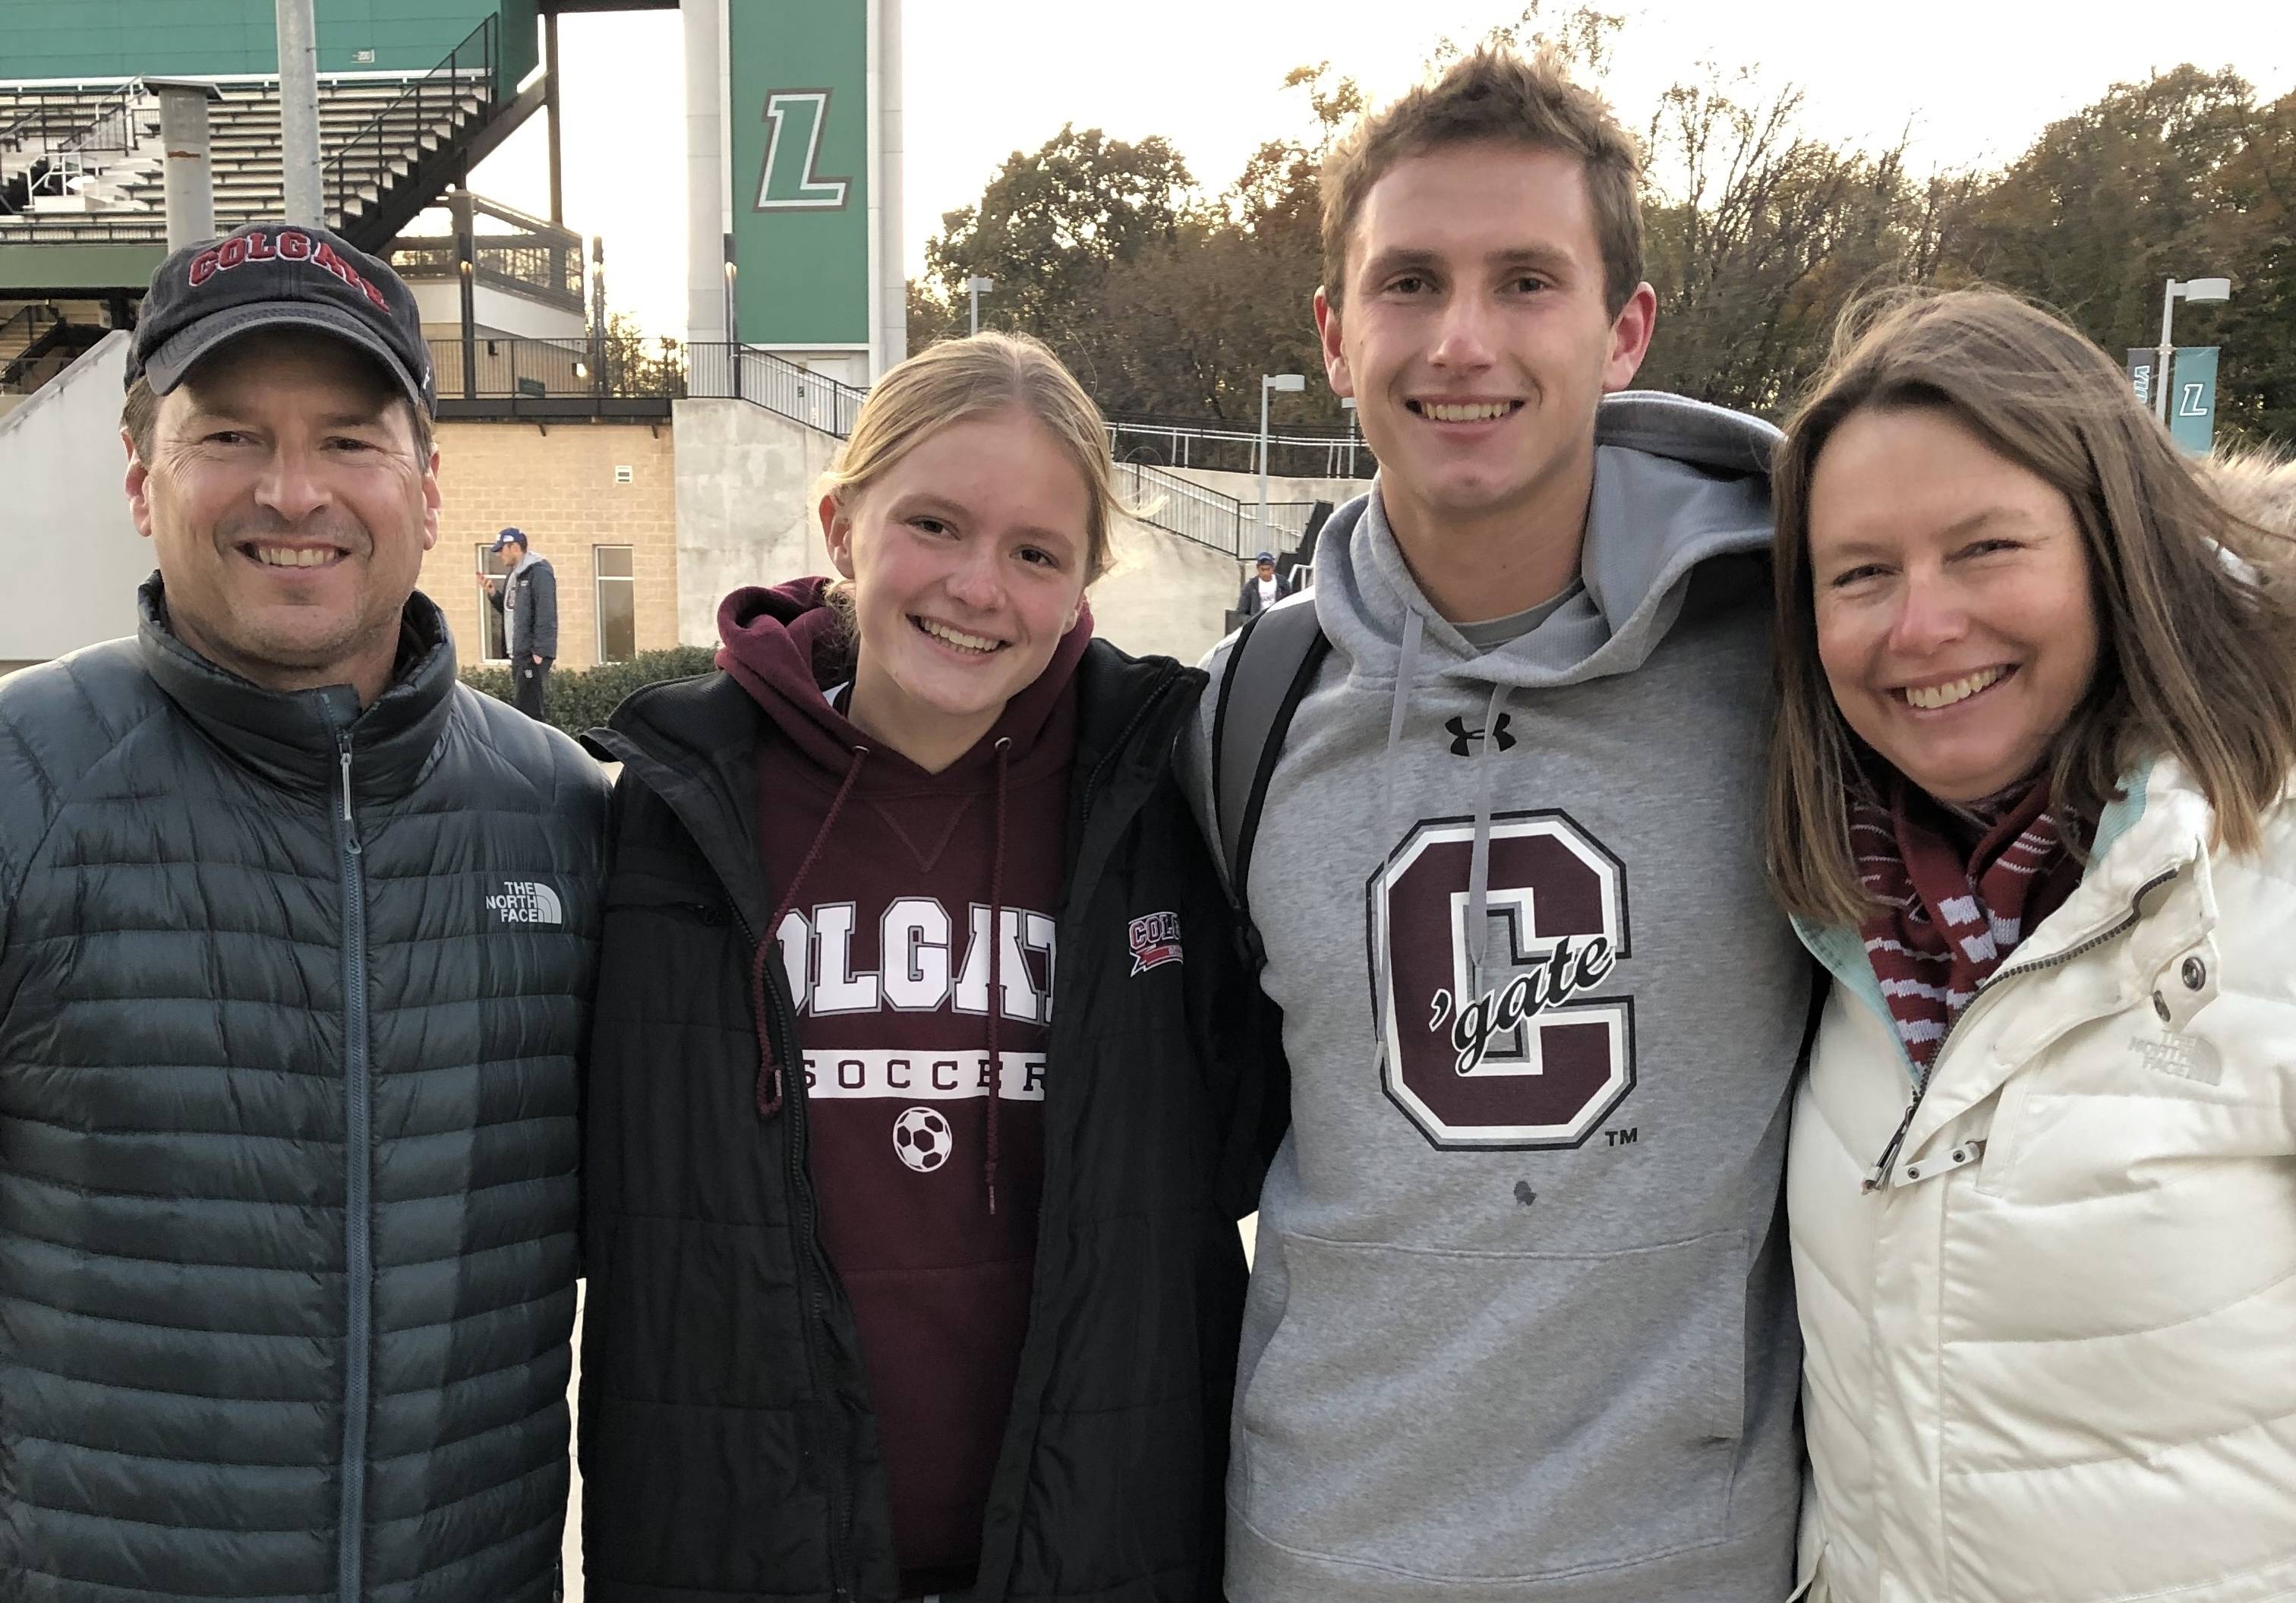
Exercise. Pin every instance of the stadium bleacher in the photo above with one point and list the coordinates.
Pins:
(87, 160)
(83, 188)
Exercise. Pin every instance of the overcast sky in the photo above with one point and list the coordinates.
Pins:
(1971, 81)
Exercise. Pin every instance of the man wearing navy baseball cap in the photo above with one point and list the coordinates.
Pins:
(296, 935)
(527, 600)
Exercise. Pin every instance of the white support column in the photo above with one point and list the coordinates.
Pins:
(184, 143)
(706, 202)
(889, 289)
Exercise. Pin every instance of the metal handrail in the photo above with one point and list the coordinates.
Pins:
(13, 376)
(1340, 450)
(722, 371)
(43, 111)
(1181, 506)
(501, 367)
(81, 227)
(1198, 512)
(29, 316)
(67, 137)
(460, 69)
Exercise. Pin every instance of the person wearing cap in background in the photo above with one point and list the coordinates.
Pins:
(528, 599)
(1263, 589)
(296, 936)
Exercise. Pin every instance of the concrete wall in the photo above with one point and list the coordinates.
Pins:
(71, 556)
(1164, 594)
(745, 516)
(559, 484)
(745, 513)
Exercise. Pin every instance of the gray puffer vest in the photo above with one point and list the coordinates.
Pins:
(291, 995)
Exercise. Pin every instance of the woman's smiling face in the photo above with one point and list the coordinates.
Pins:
(1957, 622)
(968, 559)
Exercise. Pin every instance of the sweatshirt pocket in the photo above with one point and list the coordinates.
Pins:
(1496, 1417)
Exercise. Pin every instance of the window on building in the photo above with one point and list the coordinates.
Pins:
(494, 645)
(618, 602)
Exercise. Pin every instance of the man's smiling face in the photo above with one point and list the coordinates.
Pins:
(1474, 330)
(290, 506)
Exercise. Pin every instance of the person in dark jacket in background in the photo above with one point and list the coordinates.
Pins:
(296, 941)
(527, 597)
(921, 1102)
(1263, 588)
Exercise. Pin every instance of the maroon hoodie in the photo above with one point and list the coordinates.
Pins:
(890, 879)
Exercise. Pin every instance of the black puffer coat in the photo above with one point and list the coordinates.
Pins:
(728, 1453)
(287, 1131)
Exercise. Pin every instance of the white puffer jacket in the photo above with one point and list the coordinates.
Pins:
(2051, 1358)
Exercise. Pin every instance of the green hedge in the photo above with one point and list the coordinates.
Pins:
(581, 699)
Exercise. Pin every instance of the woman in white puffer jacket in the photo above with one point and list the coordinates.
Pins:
(2031, 806)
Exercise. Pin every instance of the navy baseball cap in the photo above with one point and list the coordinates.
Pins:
(509, 536)
(1266, 556)
(278, 276)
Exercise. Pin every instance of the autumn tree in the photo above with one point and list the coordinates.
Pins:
(1054, 221)
(1170, 301)
(2180, 176)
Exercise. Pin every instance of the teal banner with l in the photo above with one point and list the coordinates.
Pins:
(2193, 398)
(798, 76)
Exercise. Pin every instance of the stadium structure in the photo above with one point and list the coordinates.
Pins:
(665, 474)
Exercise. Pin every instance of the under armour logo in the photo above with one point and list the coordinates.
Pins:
(1461, 734)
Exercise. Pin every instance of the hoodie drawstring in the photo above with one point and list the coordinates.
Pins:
(995, 970)
(769, 1067)
(1407, 663)
(1479, 861)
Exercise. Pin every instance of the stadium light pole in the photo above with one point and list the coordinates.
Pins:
(1269, 382)
(1347, 405)
(2198, 291)
(976, 288)
(299, 113)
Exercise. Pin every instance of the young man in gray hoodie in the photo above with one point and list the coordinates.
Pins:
(1521, 1325)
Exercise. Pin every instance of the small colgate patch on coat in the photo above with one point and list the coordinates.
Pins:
(1155, 941)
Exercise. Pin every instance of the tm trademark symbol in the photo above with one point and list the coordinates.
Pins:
(1622, 1138)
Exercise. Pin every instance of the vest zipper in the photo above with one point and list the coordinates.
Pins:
(793, 1115)
(358, 1226)
(1879, 1175)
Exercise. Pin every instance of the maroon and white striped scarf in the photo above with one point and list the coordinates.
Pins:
(1959, 888)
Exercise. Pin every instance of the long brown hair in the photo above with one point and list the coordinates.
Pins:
(2196, 631)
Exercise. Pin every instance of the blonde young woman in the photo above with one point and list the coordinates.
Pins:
(2030, 805)
(912, 1267)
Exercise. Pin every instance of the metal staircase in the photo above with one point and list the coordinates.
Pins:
(83, 161)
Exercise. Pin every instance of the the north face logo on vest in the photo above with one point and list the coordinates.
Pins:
(527, 902)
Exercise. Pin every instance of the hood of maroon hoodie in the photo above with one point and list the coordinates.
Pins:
(787, 646)
(865, 850)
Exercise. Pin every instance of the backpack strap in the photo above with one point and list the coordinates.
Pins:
(1269, 669)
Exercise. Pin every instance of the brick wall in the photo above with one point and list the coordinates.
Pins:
(559, 486)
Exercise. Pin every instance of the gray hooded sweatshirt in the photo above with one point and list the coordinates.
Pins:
(1521, 1325)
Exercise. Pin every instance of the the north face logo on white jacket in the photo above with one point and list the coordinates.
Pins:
(527, 902)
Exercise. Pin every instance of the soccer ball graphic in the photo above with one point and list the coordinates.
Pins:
(922, 1140)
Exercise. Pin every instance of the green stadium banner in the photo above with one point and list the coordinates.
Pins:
(2193, 399)
(129, 39)
(2192, 396)
(798, 101)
